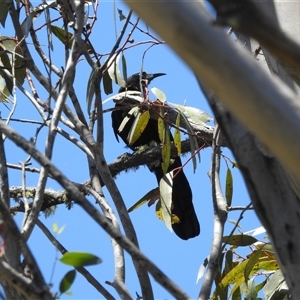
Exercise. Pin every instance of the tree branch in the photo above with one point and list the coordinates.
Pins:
(110, 184)
(220, 216)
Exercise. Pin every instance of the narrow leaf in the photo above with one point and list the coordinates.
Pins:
(158, 210)
(250, 292)
(3, 12)
(138, 126)
(235, 223)
(80, 259)
(219, 272)
(124, 66)
(260, 285)
(5, 62)
(150, 196)
(202, 269)
(34, 14)
(166, 150)
(193, 114)
(132, 112)
(275, 284)
(54, 227)
(48, 22)
(234, 164)
(177, 137)
(67, 281)
(253, 259)
(165, 188)
(121, 15)
(65, 37)
(61, 229)
(138, 204)
(239, 240)
(20, 70)
(161, 126)
(228, 261)
(265, 264)
(90, 90)
(256, 231)
(235, 276)
(135, 95)
(114, 70)
(160, 95)
(229, 187)
(237, 295)
(107, 83)
(193, 141)
(13, 62)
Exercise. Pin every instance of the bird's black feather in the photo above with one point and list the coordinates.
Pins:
(183, 207)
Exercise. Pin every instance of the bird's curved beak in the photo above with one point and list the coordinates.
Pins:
(155, 75)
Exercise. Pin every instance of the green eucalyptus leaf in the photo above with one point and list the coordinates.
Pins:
(161, 125)
(202, 269)
(229, 187)
(34, 14)
(90, 92)
(239, 240)
(165, 188)
(193, 114)
(160, 95)
(114, 70)
(79, 259)
(150, 196)
(107, 83)
(166, 149)
(12, 60)
(67, 281)
(124, 66)
(65, 37)
(133, 112)
(177, 136)
(276, 286)
(193, 141)
(3, 12)
(138, 126)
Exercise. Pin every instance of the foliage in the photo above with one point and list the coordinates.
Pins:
(30, 73)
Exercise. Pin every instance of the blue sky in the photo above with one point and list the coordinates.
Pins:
(179, 259)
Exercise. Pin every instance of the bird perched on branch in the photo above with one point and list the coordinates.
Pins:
(183, 208)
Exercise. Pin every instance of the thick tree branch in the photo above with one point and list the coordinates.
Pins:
(124, 162)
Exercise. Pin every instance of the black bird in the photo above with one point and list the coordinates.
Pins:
(181, 194)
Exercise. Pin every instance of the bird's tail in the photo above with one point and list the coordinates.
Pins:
(183, 207)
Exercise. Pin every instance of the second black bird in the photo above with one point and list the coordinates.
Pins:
(183, 208)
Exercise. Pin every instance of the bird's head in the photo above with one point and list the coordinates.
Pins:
(135, 82)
